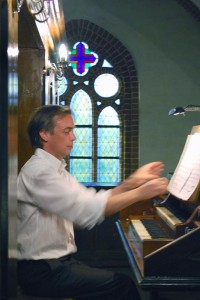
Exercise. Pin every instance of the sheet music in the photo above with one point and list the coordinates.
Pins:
(187, 174)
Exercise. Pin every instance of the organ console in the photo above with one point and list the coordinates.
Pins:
(161, 237)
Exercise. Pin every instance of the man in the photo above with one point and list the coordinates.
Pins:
(50, 201)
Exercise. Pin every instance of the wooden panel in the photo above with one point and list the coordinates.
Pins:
(31, 63)
(101, 246)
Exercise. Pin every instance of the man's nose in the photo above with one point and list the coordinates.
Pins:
(73, 137)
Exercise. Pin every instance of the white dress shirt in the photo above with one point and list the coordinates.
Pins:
(50, 201)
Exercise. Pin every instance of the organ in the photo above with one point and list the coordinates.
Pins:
(161, 238)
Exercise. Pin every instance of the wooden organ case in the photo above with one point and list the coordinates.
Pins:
(161, 238)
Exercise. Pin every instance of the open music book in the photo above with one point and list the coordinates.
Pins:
(187, 174)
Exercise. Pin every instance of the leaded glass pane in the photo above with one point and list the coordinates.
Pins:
(81, 169)
(83, 144)
(106, 64)
(106, 85)
(108, 170)
(108, 141)
(62, 85)
(82, 108)
(117, 101)
(81, 58)
(108, 116)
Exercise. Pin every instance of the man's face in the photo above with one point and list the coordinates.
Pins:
(60, 142)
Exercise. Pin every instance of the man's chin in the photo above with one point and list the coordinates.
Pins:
(68, 153)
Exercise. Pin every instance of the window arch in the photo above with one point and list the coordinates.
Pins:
(106, 118)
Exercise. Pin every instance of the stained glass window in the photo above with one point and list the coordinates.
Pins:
(81, 58)
(108, 146)
(62, 85)
(95, 102)
(82, 108)
(93, 160)
(81, 155)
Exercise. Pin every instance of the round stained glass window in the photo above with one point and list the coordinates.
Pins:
(106, 85)
(62, 85)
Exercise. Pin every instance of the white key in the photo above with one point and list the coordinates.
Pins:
(140, 229)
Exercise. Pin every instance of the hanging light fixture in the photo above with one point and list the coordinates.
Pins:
(39, 9)
(63, 53)
(62, 63)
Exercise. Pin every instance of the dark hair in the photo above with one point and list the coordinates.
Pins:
(43, 118)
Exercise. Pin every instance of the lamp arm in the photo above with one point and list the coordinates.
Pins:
(192, 108)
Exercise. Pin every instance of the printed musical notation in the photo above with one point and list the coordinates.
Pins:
(187, 174)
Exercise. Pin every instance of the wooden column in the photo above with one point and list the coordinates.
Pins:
(8, 148)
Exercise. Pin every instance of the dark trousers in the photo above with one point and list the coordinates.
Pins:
(67, 277)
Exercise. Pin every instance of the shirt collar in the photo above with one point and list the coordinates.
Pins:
(59, 165)
(62, 166)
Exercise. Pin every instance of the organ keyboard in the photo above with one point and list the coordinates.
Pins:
(159, 228)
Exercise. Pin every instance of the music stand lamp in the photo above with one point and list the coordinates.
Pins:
(182, 110)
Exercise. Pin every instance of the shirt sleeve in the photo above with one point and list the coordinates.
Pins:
(63, 196)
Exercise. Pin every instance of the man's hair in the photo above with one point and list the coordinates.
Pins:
(43, 118)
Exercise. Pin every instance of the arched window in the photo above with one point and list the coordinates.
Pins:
(81, 155)
(108, 146)
(100, 85)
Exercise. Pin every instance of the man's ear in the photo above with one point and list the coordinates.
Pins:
(44, 135)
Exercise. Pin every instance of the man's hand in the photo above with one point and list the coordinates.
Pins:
(143, 174)
(154, 187)
(147, 172)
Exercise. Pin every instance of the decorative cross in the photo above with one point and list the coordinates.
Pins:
(81, 59)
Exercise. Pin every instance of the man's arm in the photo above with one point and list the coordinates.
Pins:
(150, 189)
(140, 176)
